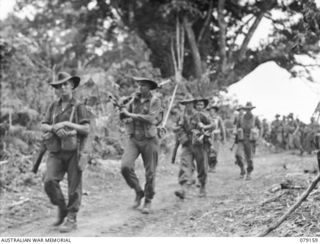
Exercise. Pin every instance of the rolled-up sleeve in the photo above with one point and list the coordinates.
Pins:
(49, 115)
(83, 115)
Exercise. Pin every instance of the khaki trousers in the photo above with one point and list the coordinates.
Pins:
(149, 150)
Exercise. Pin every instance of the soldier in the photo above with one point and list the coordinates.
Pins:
(141, 117)
(195, 148)
(285, 132)
(276, 132)
(218, 134)
(265, 130)
(291, 129)
(239, 115)
(181, 136)
(248, 132)
(311, 130)
(298, 135)
(66, 126)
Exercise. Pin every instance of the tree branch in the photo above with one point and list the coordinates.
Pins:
(206, 22)
(253, 28)
(240, 30)
(249, 36)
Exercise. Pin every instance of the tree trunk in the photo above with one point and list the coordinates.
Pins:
(194, 48)
(222, 41)
(206, 22)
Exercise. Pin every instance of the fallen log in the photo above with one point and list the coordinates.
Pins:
(292, 208)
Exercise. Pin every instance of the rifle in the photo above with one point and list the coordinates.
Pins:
(36, 165)
(119, 104)
(231, 148)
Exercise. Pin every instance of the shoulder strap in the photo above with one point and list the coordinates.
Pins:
(241, 120)
(54, 112)
(72, 114)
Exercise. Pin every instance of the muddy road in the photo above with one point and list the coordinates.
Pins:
(233, 207)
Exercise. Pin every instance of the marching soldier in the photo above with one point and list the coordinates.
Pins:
(297, 136)
(248, 132)
(311, 131)
(285, 132)
(291, 128)
(239, 115)
(277, 132)
(195, 148)
(218, 135)
(265, 130)
(66, 126)
(181, 135)
(141, 117)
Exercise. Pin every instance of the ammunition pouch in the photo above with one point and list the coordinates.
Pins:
(51, 142)
(70, 141)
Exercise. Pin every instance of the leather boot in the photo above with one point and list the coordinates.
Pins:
(137, 200)
(62, 213)
(70, 224)
(248, 176)
(242, 173)
(202, 191)
(146, 207)
(182, 192)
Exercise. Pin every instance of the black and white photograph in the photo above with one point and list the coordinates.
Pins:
(159, 118)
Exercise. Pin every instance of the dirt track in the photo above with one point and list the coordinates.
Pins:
(233, 207)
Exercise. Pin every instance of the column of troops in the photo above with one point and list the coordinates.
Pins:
(199, 132)
(289, 133)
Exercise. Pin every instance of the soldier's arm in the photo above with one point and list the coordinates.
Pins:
(151, 116)
(46, 124)
(205, 122)
(124, 117)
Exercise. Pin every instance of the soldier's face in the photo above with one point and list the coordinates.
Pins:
(199, 105)
(213, 111)
(189, 107)
(144, 87)
(248, 111)
(64, 88)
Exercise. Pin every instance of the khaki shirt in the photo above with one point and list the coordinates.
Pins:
(148, 110)
(55, 114)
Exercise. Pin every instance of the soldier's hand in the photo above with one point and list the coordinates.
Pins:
(61, 133)
(58, 126)
(201, 125)
(127, 120)
(124, 111)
